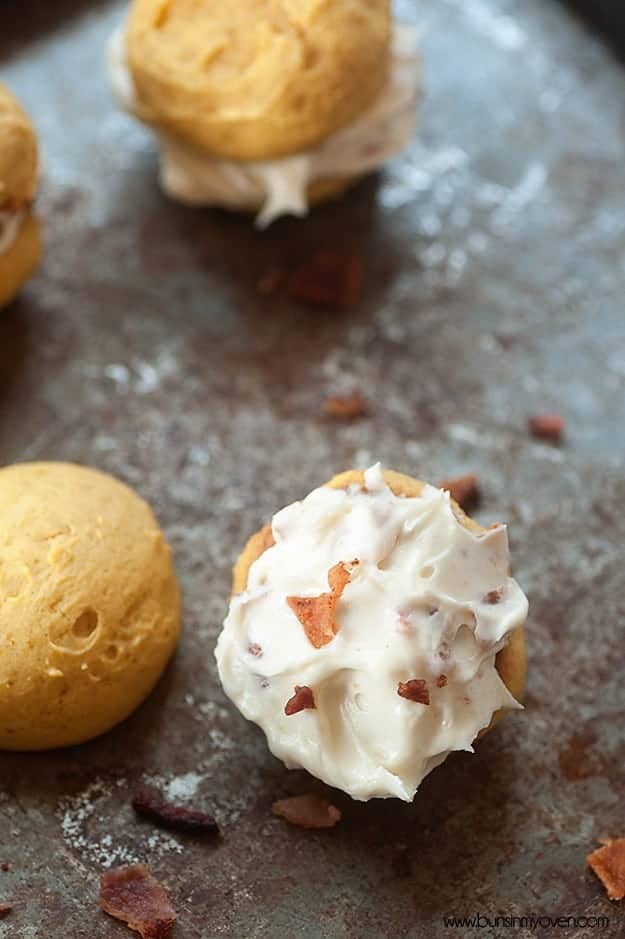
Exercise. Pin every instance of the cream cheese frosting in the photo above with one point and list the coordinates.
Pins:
(10, 224)
(279, 187)
(427, 597)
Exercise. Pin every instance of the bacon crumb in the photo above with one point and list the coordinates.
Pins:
(148, 803)
(255, 650)
(464, 490)
(329, 279)
(307, 811)
(494, 596)
(415, 689)
(608, 863)
(302, 700)
(5, 909)
(270, 282)
(441, 681)
(546, 427)
(346, 407)
(134, 896)
(4, 866)
(317, 614)
(340, 575)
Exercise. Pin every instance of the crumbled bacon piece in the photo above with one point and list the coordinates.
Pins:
(346, 407)
(494, 596)
(608, 863)
(317, 614)
(546, 427)
(308, 811)
(134, 896)
(302, 700)
(415, 689)
(580, 759)
(441, 681)
(330, 279)
(4, 867)
(464, 490)
(255, 650)
(5, 909)
(148, 803)
(339, 576)
(270, 282)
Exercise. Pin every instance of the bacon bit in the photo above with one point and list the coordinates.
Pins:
(340, 575)
(307, 811)
(494, 596)
(579, 759)
(464, 490)
(5, 909)
(416, 689)
(546, 427)
(134, 896)
(302, 700)
(441, 681)
(255, 649)
(270, 282)
(330, 279)
(608, 863)
(346, 407)
(317, 614)
(4, 867)
(148, 803)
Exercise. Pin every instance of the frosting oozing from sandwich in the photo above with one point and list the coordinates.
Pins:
(280, 187)
(365, 642)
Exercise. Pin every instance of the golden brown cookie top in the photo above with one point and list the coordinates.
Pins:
(18, 153)
(89, 603)
(257, 79)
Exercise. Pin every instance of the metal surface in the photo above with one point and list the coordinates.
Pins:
(495, 257)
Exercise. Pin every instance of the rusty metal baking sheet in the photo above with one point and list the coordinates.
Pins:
(495, 257)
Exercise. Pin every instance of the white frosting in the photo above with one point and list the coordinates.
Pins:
(279, 187)
(415, 608)
(10, 224)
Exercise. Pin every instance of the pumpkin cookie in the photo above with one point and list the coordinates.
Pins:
(373, 629)
(89, 604)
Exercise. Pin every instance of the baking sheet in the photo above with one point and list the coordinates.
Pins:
(495, 255)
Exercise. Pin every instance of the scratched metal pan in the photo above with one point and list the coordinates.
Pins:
(495, 257)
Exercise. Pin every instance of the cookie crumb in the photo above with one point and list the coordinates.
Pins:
(307, 811)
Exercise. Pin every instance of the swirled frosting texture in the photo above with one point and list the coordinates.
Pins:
(429, 600)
